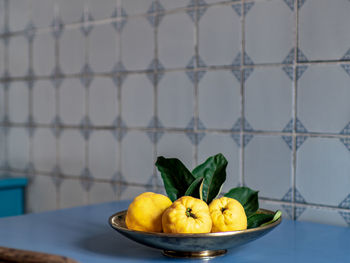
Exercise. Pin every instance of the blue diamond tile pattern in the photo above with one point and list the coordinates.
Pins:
(87, 75)
(56, 77)
(192, 123)
(118, 75)
(195, 138)
(237, 60)
(346, 130)
(237, 74)
(119, 130)
(30, 32)
(238, 9)
(201, 63)
(288, 196)
(237, 126)
(58, 27)
(192, 63)
(299, 211)
(301, 56)
(56, 126)
(345, 203)
(346, 142)
(300, 71)
(299, 141)
(154, 18)
(289, 141)
(247, 7)
(86, 127)
(289, 59)
(196, 10)
(87, 26)
(56, 176)
(120, 15)
(247, 126)
(237, 139)
(247, 59)
(289, 127)
(289, 71)
(246, 139)
(301, 3)
(300, 127)
(290, 4)
(154, 136)
(247, 72)
(346, 217)
(346, 57)
(31, 126)
(346, 68)
(86, 179)
(298, 197)
(289, 210)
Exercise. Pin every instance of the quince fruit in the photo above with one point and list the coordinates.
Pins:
(227, 214)
(187, 215)
(145, 212)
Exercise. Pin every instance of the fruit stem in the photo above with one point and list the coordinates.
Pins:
(223, 209)
(189, 214)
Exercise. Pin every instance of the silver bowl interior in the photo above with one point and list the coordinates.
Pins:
(190, 245)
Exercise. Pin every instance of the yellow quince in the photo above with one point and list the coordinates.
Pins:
(187, 215)
(145, 212)
(227, 214)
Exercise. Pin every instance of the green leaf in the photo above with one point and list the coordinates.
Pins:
(247, 197)
(194, 188)
(213, 170)
(277, 216)
(261, 219)
(176, 177)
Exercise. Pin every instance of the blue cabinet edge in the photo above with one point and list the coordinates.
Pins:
(13, 182)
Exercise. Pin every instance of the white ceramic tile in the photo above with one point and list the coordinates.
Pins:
(268, 99)
(72, 101)
(2, 102)
(3, 143)
(18, 56)
(44, 150)
(267, 166)
(175, 100)
(137, 100)
(44, 101)
(133, 7)
(103, 108)
(18, 148)
(137, 148)
(20, 14)
(130, 192)
(323, 217)
(101, 192)
(72, 51)
(321, 108)
(328, 21)
(213, 144)
(41, 194)
(219, 35)
(72, 152)
(219, 99)
(72, 194)
(2, 16)
(43, 54)
(176, 145)
(42, 12)
(103, 154)
(322, 173)
(137, 43)
(171, 4)
(103, 48)
(269, 28)
(175, 40)
(71, 11)
(18, 101)
(2, 56)
(101, 10)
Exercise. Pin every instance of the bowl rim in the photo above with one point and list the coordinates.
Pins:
(215, 234)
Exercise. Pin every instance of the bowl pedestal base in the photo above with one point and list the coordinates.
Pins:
(194, 254)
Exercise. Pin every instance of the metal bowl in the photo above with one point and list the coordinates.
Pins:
(192, 245)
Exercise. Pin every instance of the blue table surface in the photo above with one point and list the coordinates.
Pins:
(83, 233)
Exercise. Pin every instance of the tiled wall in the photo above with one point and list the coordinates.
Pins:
(93, 91)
